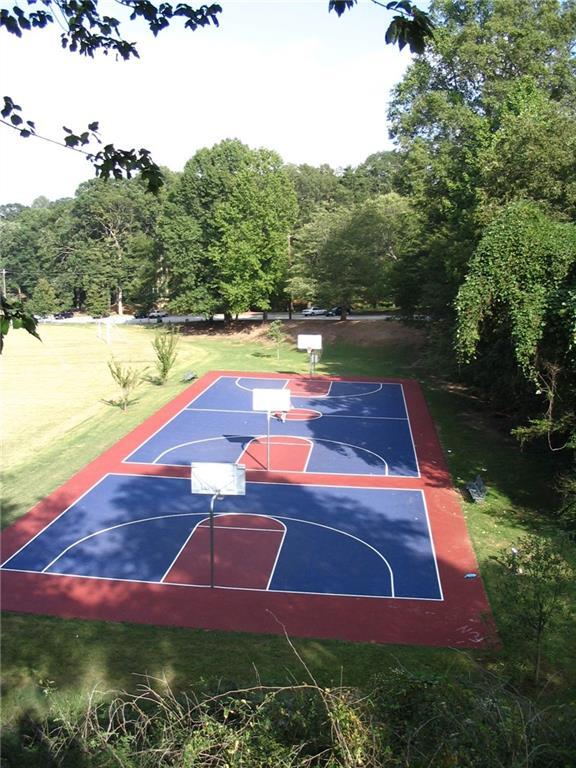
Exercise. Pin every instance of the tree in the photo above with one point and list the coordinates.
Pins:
(375, 176)
(225, 229)
(276, 335)
(453, 113)
(518, 303)
(105, 237)
(317, 188)
(44, 300)
(350, 254)
(535, 578)
(87, 31)
(28, 247)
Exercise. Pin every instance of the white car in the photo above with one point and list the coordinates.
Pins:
(311, 311)
(157, 313)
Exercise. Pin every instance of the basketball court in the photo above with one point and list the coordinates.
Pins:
(343, 524)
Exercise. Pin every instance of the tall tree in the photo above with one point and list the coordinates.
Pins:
(230, 216)
(110, 224)
(448, 118)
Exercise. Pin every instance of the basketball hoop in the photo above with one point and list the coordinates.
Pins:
(272, 401)
(216, 479)
(312, 343)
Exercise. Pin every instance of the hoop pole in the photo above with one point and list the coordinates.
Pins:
(212, 502)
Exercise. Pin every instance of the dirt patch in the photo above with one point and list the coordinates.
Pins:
(365, 333)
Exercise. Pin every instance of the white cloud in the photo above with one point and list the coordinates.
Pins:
(286, 76)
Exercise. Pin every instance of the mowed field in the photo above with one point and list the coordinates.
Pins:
(58, 397)
(57, 416)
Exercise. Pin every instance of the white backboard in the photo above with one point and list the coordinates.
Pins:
(212, 477)
(309, 341)
(271, 400)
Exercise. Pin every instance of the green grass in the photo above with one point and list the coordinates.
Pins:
(56, 420)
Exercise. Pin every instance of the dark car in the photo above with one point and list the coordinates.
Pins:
(337, 312)
(64, 315)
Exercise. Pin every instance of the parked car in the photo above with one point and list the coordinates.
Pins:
(64, 315)
(337, 311)
(155, 313)
(311, 311)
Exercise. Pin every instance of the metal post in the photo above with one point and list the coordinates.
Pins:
(212, 502)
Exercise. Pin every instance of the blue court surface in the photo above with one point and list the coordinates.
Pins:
(354, 428)
(370, 542)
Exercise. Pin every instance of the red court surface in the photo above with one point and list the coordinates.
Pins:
(251, 546)
(248, 547)
(282, 454)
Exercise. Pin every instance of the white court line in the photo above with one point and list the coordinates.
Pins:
(379, 387)
(264, 438)
(252, 438)
(112, 528)
(234, 589)
(280, 518)
(165, 424)
(191, 442)
(432, 547)
(298, 408)
(279, 550)
(42, 530)
(192, 532)
(410, 430)
(349, 396)
(348, 445)
(248, 389)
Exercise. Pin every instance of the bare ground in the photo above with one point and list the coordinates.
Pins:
(364, 333)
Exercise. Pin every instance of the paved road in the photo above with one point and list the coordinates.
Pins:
(130, 320)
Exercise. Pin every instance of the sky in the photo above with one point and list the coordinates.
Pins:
(281, 74)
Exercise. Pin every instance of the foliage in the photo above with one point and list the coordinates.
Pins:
(484, 117)
(517, 290)
(518, 270)
(225, 227)
(165, 349)
(402, 719)
(14, 315)
(537, 578)
(86, 31)
(126, 378)
(343, 256)
(44, 300)
(97, 300)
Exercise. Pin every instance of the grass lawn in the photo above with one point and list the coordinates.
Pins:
(56, 418)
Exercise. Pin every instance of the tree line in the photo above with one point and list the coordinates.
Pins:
(470, 221)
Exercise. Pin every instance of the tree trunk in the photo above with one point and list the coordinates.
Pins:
(120, 301)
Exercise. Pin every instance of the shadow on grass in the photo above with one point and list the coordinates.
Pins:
(9, 511)
(154, 379)
(123, 405)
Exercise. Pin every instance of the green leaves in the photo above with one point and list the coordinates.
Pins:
(410, 26)
(413, 27)
(13, 314)
(12, 110)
